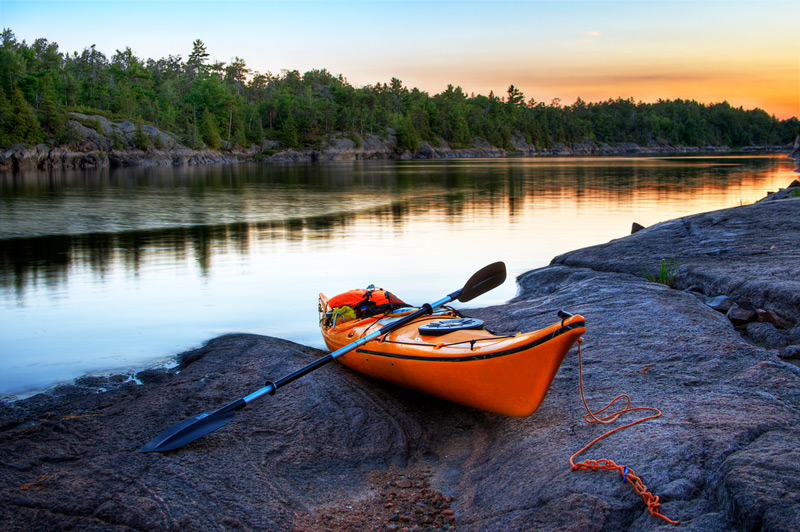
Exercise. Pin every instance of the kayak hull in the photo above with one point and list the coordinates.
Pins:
(507, 375)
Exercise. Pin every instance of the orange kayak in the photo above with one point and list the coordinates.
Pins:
(455, 358)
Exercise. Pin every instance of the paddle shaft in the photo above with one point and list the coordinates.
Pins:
(272, 387)
(195, 427)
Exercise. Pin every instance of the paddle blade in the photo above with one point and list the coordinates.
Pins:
(191, 429)
(483, 280)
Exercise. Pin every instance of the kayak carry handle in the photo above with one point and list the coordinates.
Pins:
(564, 315)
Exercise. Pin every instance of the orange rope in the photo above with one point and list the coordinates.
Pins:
(627, 474)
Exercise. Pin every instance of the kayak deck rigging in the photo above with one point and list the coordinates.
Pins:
(469, 365)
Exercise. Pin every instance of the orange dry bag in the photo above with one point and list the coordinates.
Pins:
(362, 299)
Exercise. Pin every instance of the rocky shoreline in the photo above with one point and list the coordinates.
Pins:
(336, 451)
(103, 143)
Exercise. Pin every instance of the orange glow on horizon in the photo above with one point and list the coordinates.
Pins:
(749, 66)
(772, 86)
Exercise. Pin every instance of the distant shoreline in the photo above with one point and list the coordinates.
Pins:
(102, 147)
(45, 158)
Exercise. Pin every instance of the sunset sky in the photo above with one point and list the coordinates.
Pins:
(745, 52)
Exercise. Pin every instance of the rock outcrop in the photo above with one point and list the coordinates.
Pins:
(373, 147)
(114, 144)
(480, 149)
(338, 451)
(43, 157)
(341, 148)
(590, 147)
(749, 253)
(792, 191)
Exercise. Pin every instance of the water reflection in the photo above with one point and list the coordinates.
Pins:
(49, 259)
(114, 268)
(341, 193)
(114, 200)
(127, 217)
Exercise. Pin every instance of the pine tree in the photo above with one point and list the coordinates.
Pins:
(195, 65)
(51, 115)
(408, 137)
(255, 132)
(209, 133)
(238, 130)
(5, 120)
(140, 139)
(25, 127)
(461, 133)
(289, 136)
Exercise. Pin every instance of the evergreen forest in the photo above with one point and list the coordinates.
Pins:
(214, 104)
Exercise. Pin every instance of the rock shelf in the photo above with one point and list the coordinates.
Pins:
(336, 451)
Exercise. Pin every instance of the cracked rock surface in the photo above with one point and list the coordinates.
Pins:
(750, 252)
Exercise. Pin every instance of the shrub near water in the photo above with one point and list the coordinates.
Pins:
(665, 273)
(140, 138)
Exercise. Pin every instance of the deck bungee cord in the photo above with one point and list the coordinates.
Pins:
(651, 500)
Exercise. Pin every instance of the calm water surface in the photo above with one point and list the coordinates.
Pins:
(115, 270)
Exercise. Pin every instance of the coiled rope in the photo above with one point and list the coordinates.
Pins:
(627, 473)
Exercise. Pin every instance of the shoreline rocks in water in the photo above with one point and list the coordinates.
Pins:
(335, 450)
(105, 143)
(795, 151)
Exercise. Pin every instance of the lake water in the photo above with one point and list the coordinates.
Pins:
(115, 270)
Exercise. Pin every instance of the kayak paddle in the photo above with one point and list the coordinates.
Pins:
(188, 430)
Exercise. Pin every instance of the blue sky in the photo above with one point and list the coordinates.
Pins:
(747, 53)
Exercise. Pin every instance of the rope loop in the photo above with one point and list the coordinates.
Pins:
(627, 473)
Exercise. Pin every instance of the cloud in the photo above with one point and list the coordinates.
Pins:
(591, 33)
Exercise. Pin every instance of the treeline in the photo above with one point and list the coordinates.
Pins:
(209, 104)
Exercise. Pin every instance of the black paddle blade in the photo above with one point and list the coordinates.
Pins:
(190, 429)
(483, 280)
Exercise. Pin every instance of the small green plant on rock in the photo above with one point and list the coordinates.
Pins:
(667, 269)
(97, 126)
